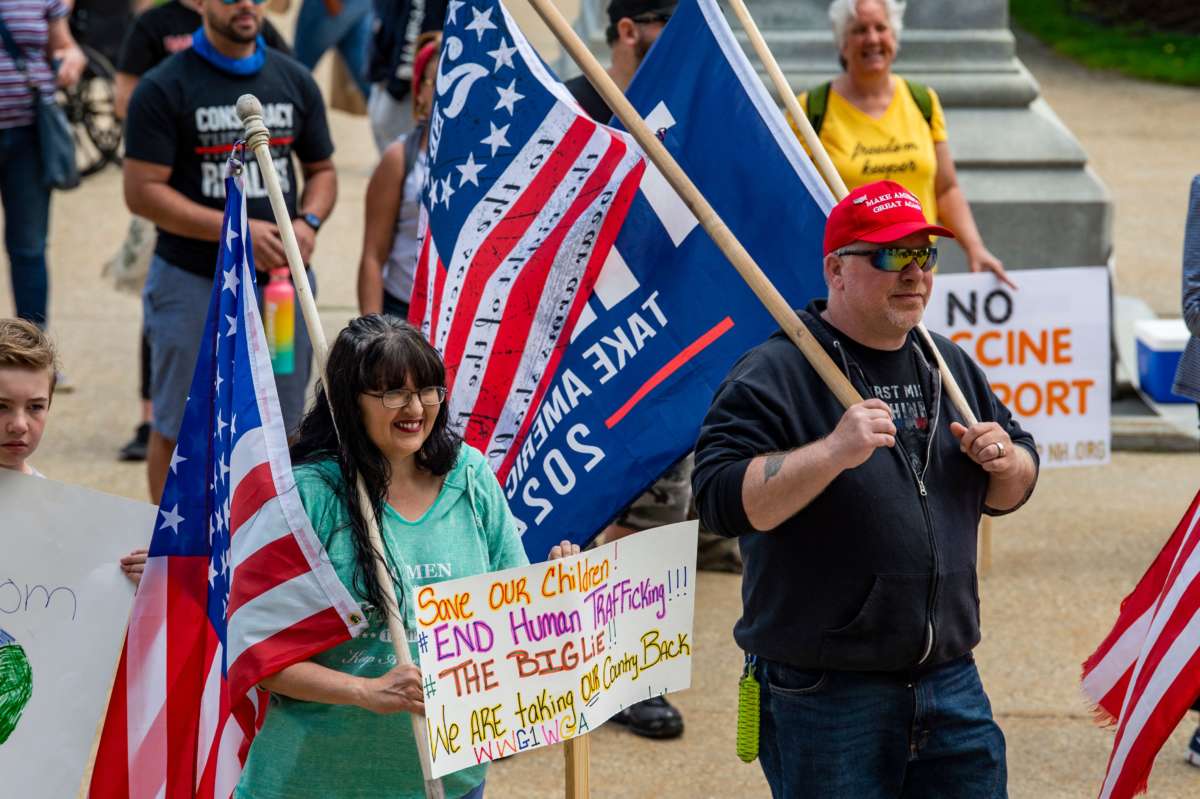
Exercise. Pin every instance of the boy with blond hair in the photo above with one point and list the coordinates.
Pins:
(28, 364)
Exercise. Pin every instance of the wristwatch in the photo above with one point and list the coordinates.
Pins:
(312, 220)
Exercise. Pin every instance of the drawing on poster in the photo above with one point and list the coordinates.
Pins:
(16, 684)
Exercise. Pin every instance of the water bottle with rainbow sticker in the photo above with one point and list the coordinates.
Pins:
(279, 319)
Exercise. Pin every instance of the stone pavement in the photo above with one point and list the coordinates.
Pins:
(1061, 565)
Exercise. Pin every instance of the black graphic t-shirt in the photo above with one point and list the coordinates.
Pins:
(897, 378)
(183, 115)
(167, 29)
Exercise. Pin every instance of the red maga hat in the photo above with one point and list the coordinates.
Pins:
(880, 213)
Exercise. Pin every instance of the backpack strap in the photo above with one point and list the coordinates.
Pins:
(818, 101)
(923, 99)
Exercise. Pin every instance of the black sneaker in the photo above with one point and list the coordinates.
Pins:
(135, 449)
(652, 718)
(1193, 753)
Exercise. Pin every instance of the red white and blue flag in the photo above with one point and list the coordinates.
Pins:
(1146, 673)
(525, 196)
(237, 585)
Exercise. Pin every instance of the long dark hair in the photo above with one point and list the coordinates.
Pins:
(373, 353)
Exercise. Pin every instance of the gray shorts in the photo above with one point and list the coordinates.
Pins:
(175, 305)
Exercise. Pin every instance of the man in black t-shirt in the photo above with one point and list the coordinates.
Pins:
(156, 34)
(398, 25)
(181, 129)
(633, 25)
(160, 32)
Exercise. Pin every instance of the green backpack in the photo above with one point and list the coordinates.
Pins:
(818, 102)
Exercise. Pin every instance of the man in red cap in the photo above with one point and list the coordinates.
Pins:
(858, 527)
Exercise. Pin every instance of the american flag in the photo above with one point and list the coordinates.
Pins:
(524, 198)
(1146, 674)
(237, 585)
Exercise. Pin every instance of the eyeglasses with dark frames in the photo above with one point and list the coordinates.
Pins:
(402, 397)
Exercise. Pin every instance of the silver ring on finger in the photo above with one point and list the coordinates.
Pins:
(999, 450)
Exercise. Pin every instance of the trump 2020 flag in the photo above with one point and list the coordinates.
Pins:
(1146, 673)
(623, 396)
(237, 585)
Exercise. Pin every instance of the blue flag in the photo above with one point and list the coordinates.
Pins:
(618, 397)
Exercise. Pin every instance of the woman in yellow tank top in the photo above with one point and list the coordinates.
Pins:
(875, 128)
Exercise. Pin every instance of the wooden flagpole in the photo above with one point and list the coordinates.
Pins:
(838, 187)
(258, 141)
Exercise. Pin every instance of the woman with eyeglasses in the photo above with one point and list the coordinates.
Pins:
(878, 126)
(339, 723)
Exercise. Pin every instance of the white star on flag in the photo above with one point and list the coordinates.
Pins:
(503, 55)
(446, 190)
(176, 458)
(433, 198)
(481, 21)
(452, 13)
(508, 97)
(470, 171)
(497, 138)
(230, 235)
(220, 424)
(232, 329)
(224, 469)
(217, 383)
(233, 425)
(212, 572)
(231, 281)
(171, 518)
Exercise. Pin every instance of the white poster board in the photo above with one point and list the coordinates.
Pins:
(533, 656)
(65, 601)
(1045, 349)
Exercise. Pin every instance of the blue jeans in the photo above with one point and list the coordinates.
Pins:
(26, 220)
(846, 735)
(350, 30)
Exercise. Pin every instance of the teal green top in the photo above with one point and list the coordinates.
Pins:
(309, 749)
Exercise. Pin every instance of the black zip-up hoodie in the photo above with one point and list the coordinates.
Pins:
(877, 573)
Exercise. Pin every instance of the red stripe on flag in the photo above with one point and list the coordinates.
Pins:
(439, 283)
(268, 567)
(506, 234)
(604, 243)
(188, 639)
(1135, 772)
(299, 642)
(524, 297)
(420, 289)
(110, 776)
(671, 367)
(251, 493)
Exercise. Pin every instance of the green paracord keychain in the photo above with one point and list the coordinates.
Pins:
(748, 709)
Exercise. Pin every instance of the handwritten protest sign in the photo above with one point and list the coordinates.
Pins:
(63, 607)
(1044, 348)
(529, 657)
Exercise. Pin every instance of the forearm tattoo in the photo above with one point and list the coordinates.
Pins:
(772, 464)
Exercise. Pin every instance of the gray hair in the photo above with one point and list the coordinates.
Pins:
(843, 13)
